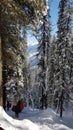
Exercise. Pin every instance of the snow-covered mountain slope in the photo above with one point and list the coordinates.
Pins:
(32, 50)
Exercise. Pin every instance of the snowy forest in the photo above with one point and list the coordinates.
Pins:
(43, 79)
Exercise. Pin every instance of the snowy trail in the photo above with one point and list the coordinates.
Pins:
(35, 120)
(47, 119)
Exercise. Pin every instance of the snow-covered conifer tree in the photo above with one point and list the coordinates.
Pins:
(51, 70)
(43, 62)
(64, 29)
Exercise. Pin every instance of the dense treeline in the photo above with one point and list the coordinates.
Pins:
(53, 86)
(15, 17)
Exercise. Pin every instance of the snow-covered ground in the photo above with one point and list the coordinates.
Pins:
(35, 120)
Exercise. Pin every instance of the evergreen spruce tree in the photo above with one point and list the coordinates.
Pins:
(51, 70)
(70, 53)
(43, 62)
(1, 98)
(63, 69)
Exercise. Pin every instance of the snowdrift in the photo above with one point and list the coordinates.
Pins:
(8, 123)
(30, 119)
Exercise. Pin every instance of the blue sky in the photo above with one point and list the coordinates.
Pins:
(54, 18)
(54, 14)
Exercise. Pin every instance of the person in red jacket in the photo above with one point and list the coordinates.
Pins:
(18, 108)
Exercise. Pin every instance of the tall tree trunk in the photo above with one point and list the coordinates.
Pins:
(1, 93)
(61, 104)
(42, 99)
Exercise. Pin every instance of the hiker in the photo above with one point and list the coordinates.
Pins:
(18, 108)
(15, 109)
(14, 106)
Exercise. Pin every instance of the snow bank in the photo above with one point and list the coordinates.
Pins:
(8, 123)
(30, 119)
